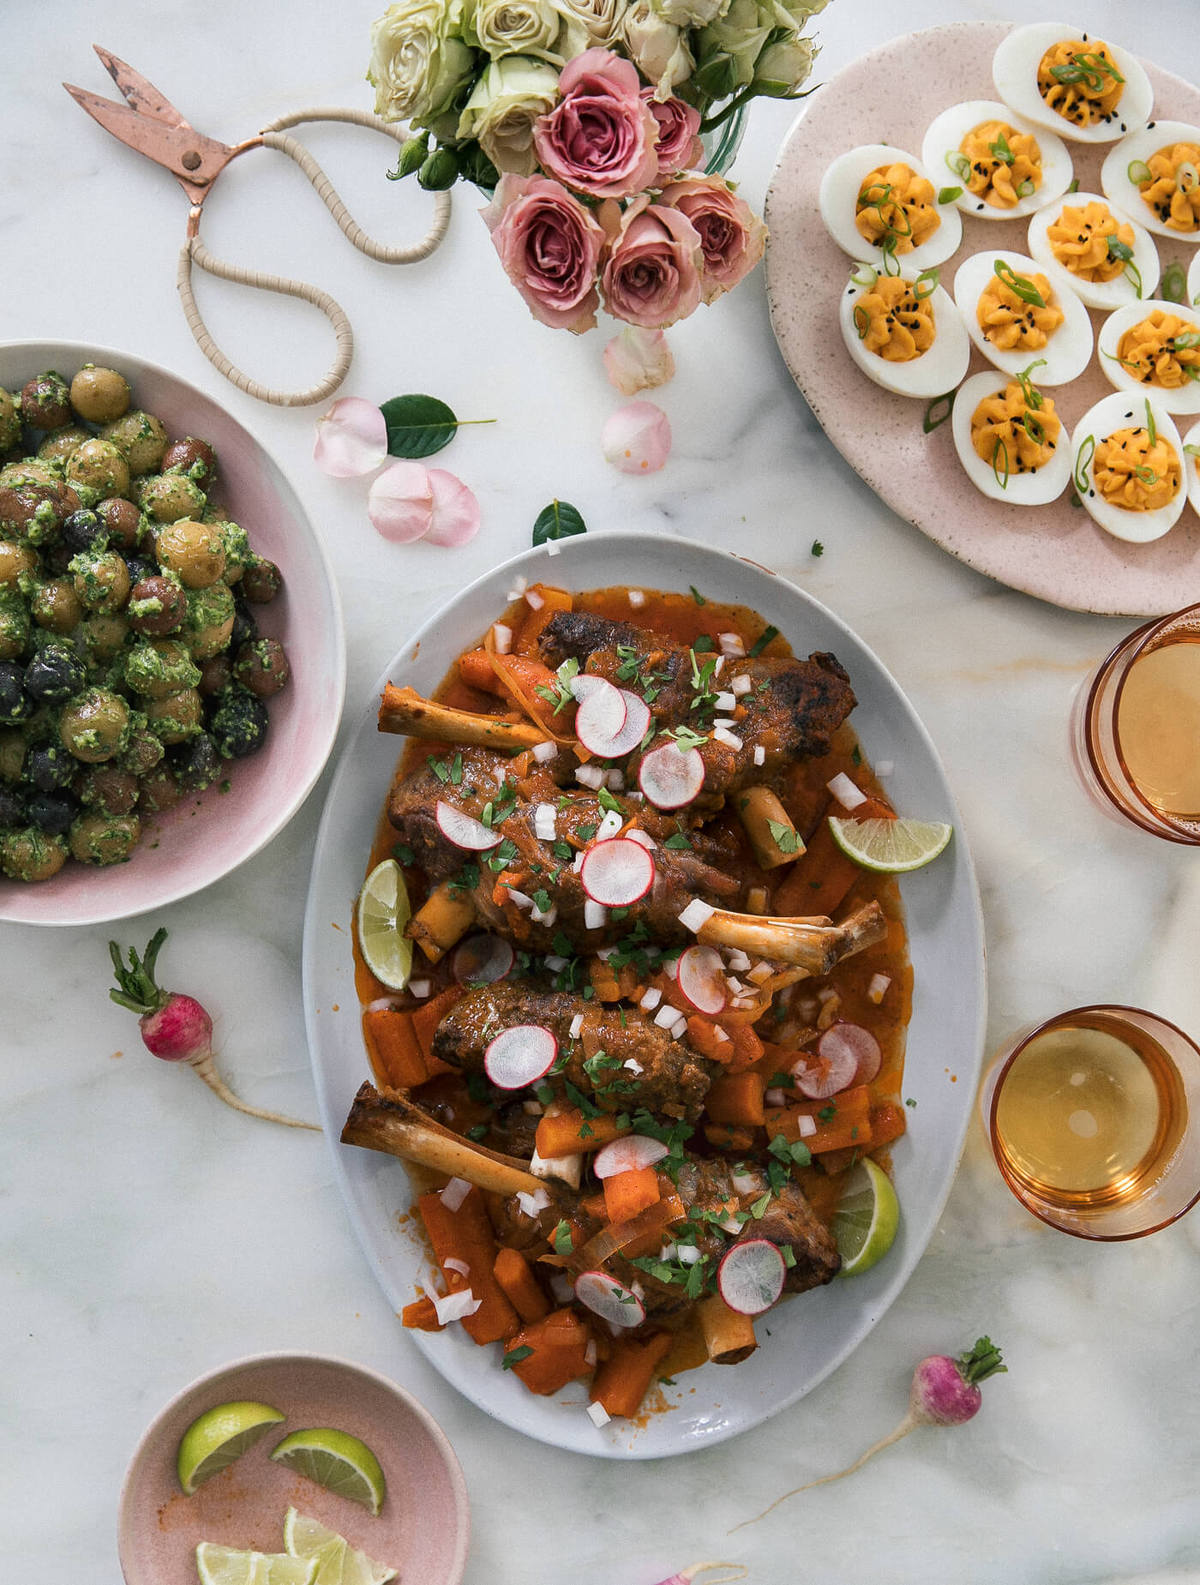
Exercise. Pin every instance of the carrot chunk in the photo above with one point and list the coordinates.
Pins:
(840, 1122)
(520, 1285)
(466, 1235)
(420, 1315)
(737, 1099)
(566, 1132)
(627, 1193)
(547, 1354)
(820, 881)
(625, 1376)
(393, 1047)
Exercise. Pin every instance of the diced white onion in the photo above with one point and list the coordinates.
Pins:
(589, 1353)
(846, 793)
(775, 1098)
(522, 899)
(885, 767)
(502, 636)
(576, 1026)
(383, 1004)
(456, 1306)
(534, 600)
(642, 838)
(726, 702)
(567, 1168)
(734, 984)
(688, 1254)
(545, 822)
(577, 861)
(743, 1183)
(556, 964)
(420, 988)
(499, 775)
(650, 999)
(532, 1108)
(635, 798)
(719, 1034)
(598, 1414)
(455, 1193)
(452, 1263)
(760, 972)
(519, 587)
(731, 1225)
(737, 960)
(594, 915)
(668, 1252)
(591, 776)
(744, 1001)
(741, 684)
(756, 900)
(760, 754)
(604, 953)
(633, 1065)
(545, 752)
(553, 546)
(636, 598)
(666, 1015)
(731, 645)
(877, 989)
(696, 914)
(718, 667)
(679, 1028)
(722, 720)
(828, 993)
(730, 739)
(531, 1204)
(615, 780)
(806, 1124)
(547, 918)
(609, 826)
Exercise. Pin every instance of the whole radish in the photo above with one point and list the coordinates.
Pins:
(175, 1027)
(944, 1391)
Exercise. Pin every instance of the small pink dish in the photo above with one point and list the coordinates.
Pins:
(423, 1529)
(207, 835)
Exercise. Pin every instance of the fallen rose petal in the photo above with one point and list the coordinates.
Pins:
(637, 438)
(400, 502)
(638, 359)
(455, 510)
(351, 438)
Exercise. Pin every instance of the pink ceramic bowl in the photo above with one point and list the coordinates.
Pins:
(423, 1528)
(205, 837)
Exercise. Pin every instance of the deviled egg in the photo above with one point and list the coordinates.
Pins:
(1015, 316)
(880, 204)
(1105, 259)
(1010, 440)
(1154, 176)
(904, 332)
(1153, 349)
(1193, 280)
(1191, 465)
(1084, 87)
(1128, 467)
(1003, 166)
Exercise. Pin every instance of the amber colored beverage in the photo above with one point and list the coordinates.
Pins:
(1090, 1121)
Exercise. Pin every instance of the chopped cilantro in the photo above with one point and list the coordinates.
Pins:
(696, 595)
(785, 837)
(440, 769)
(478, 1132)
(817, 548)
(561, 1238)
(515, 1356)
(761, 642)
(403, 854)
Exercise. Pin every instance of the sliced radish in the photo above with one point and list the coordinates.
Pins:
(750, 1276)
(637, 723)
(617, 873)
(670, 777)
(628, 1154)
(842, 1043)
(520, 1056)
(611, 1300)
(482, 959)
(601, 715)
(818, 1074)
(701, 978)
(464, 830)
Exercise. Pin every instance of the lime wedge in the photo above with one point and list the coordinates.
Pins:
(222, 1565)
(338, 1563)
(218, 1437)
(337, 1461)
(383, 912)
(890, 847)
(866, 1219)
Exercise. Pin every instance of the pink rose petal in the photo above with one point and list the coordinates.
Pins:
(637, 438)
(400, 503)
(638, 360)
(351, 438)
(455, 510)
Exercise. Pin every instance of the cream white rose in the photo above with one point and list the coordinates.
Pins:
(785, 65)
(740, 34)
(599, 22)
(689, 13)
(513, 27)
(418, 61)
(656, 47)
(504, 104)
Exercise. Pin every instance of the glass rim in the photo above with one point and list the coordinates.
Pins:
(997, 1083)
(1132, 646)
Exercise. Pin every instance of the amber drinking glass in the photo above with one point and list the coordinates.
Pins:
(1135, 729)
(1093, 1120)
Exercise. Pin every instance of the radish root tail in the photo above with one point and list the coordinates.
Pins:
(906, 1425)
(207, 1069)
(694, 1572)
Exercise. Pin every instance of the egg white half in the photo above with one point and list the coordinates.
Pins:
(1068, 349)
(1191, 466)
(932, 374)
(947, 130)
(838, 203)
(1184, 400)
(1021, 489)
(1125, 194)
(1094, 294)
(1014, 72)
(1120, 411)
(1193, 280)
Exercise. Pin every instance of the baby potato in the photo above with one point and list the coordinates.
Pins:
(160, 791)
(14, 624)
(30, 855)
(262, 667)
(167, 497)
(156, 606)
(95, 726)
(104, 634)
(142, 439)
(108, 790)
(104, 839)
(157, 667)
(13, 746)
(101, 579)
(99, 465)
(123, 521)
(46, 401)
(194, 552)
(60, 443)
(209, 620)
(261, 581)
(56, 607)
(175, 716)
(99, 395)
(28, 471)
(10, 420)
(14, 560)
(193, 457)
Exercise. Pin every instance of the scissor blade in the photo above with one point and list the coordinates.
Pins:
(191, 158)
(138, 91)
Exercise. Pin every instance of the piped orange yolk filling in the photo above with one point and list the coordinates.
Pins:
(1079, 241)
(1150, 350)
(1172, 188)
(893, 322)
(1005, 165)
(1009, 322)
(1080, 81)
(1010, 436)
(1131, 473)
(896, 209)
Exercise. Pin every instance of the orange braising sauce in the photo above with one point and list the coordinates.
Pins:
(682, 619)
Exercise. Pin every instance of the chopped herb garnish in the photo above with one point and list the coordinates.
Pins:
(561, 1238)
(515, 1356)
(478, 1132)
(761, 642)
(403, 854)
(816, 548)
(938, 412)
(678, 841)
(784, 837)
(440, 769)
(696, 595)
(1023, 287)
(947, 195)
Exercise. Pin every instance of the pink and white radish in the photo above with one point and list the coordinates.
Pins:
(601, 713)
(463, 830)
(637, 724)
(844, 1041)
(630, 1153)
(825, 1072)
(175, 1027)
(520, 1056)
(611, 1300)
(670, 776)
(701, 978)
(617, 873)
(944, 1391)
(482, 959)
(750, 1276)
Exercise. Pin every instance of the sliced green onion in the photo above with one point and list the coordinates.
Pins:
(868, 279)
(1186, 176)
(1026, 188)
(999, 150)
(1139, 173)
(1025, 290)
(1087, 68)
(1000, 456)
(1192, 451)
(1119, 250)
(938, 411)
(1034, 428)
(887, 246)
(1074, 187)
(1146, 475)
(1083, 460)
(947, 195)
(1073, 499)
(862, 321)
(1029, 391)
(1191, 339)
(925, 284)
(958, 162)
(1173, 285)
(1151, 430)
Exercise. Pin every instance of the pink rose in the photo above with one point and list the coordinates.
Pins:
(600, 138)
(652, 276)
(679, 146)
(550, 247)
(732, 236)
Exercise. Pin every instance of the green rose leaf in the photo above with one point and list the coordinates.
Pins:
(417, 426)
(559, 520)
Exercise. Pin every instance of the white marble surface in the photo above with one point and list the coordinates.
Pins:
(147, 1234)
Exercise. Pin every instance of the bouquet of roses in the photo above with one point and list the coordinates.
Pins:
(585, 119)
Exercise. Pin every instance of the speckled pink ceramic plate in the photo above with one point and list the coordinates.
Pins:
(1055, 552)
(423, 1529)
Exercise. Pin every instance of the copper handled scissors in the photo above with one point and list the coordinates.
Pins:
(149, 123)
